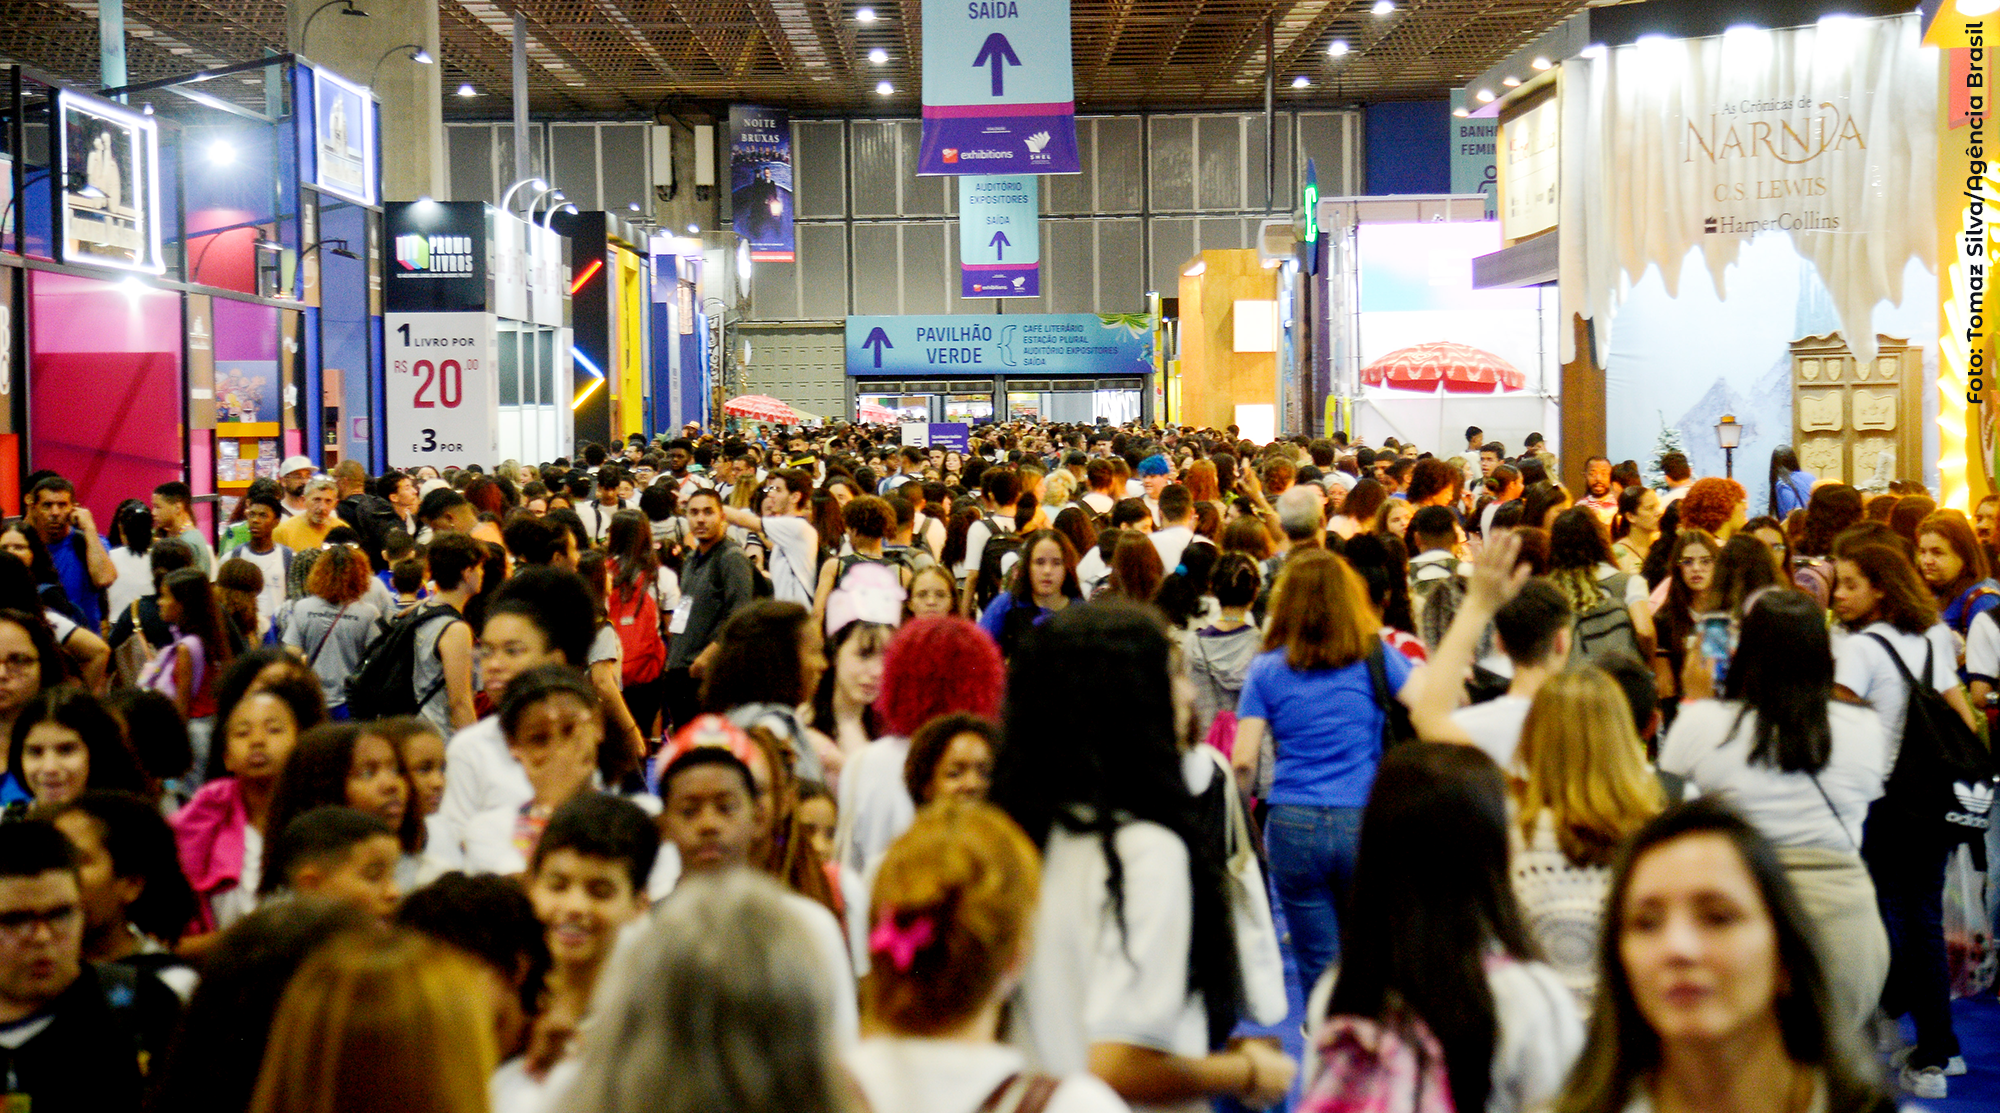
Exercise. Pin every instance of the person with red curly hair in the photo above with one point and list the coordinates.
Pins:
(1717, 506)
(932, 667)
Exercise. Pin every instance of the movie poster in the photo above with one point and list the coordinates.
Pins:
(344, 138)
(760, 181)
(111, 188)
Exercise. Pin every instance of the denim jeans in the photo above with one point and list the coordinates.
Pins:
(1312, 867)
(1907, 865)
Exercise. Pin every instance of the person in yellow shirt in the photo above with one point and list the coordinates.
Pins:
(308, 530)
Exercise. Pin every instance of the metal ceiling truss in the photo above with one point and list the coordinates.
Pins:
(622, 58)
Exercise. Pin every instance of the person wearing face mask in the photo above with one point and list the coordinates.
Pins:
(541, 617)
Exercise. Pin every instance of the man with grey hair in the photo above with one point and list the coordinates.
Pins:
(1302, 517)
(308, 530)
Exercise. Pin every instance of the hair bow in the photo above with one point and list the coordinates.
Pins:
(901, 943)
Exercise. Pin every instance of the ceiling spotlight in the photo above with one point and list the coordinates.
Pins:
(1540, 63)
(1337, 47)
(222, 153)
(878, 56)
(422, 57)
(1461, 113)
(694, 229)
(1510, 81)
(632, 206)
(466, 90)
(1485, 96)
(1301, 81)
(864, 15)
(1385, 7)
(884, 88)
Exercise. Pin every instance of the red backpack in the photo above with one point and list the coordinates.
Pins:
(636, 617)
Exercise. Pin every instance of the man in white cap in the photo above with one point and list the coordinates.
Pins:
(293, 475)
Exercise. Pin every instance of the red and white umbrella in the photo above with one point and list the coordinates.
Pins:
(759, 407)
(1458, 368)
(872, 414)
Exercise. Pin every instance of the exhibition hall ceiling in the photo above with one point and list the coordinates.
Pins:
(602, 58)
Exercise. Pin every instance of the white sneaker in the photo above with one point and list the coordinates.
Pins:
(1927, 1083)
(1954, 1068)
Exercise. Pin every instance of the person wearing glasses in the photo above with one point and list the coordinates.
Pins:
(73, 1035)
(1691, 593)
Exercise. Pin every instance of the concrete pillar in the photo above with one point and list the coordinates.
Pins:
(412, 119)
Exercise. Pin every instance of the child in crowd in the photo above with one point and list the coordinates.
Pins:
(340, 854)
(710, 815)
(587, 882)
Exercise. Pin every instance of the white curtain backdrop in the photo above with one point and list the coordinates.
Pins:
(1825, 133)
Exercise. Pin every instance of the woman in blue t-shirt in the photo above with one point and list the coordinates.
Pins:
(1309, 695)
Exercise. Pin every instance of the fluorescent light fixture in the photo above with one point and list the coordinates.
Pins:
(466, 90)
(1484, 96)
(878, 56)
(1301, 81)
(587, 392)
(884, 88)
(1541, 64)
(864, 15)
(222, 153)
(1384, 7)
(1337, 47)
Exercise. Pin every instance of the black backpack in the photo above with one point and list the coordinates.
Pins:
(1607, 627)
(384, 683)
(1944, 777)
(999, 546)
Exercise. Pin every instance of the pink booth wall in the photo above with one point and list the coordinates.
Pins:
(104, 387)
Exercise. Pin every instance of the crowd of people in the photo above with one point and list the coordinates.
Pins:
(815, 772)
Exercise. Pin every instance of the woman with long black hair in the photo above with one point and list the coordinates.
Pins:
(1803, 768)
(1134, 971)
(1436, 941)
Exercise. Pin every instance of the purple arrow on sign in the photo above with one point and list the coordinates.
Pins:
(1000, 245)
(1001, 54)
(877, 340)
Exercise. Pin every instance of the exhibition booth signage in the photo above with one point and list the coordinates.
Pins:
(1040, 344)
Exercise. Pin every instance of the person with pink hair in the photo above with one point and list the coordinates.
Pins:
(932, 667)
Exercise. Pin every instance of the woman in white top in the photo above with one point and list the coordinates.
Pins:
(1134, 971)
(1435, 938)
(1712, 996)
(1894, 632)
(1582, 789)
(948, 939)
(1803, 768)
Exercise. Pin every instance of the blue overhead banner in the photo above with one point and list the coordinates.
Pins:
(993, 344)
(999, 237)
(998, 94)
(760, 181)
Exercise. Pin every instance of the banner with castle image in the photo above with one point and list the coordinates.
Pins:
(1758, 230)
